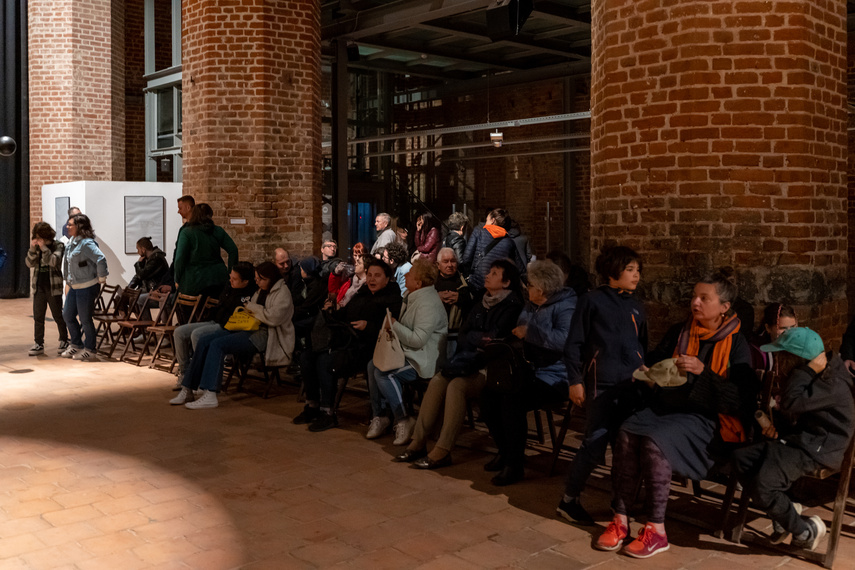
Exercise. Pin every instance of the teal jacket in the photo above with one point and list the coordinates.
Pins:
(198, 263)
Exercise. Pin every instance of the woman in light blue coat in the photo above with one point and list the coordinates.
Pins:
(421, 329)
(85, 269)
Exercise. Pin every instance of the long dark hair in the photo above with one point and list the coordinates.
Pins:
(83, 225)
(429, 222)
(201, 214)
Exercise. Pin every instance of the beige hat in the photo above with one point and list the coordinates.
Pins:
(663, 373)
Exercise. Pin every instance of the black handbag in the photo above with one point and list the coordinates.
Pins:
(507, 366)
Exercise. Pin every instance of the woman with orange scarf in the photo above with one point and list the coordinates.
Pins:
(675, 432)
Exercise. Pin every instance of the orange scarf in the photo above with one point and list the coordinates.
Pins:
(689, 344)
(496, 231)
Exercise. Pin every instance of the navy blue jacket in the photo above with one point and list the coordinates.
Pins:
(478, 265)
(607, 341)
(547, 328)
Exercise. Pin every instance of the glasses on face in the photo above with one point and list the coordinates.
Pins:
(326, 245)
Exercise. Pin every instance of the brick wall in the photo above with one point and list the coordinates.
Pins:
(251, 85)
(75, 102)
(718, 138)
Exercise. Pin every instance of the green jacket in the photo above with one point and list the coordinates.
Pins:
(198, 263)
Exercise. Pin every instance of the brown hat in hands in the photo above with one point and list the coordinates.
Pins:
(664, 373)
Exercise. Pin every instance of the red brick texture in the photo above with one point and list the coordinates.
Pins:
(252, 128)
(76, 80)
(719, 138)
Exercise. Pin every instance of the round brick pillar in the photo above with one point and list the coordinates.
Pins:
(252, 124)
(718, 137)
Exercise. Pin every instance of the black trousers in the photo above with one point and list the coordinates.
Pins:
(504, 409)
(42, 299)
(772, 467)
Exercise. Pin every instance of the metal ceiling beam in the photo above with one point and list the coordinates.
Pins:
(401, 69)
(450, 55)
(398, 15)
(570, 22)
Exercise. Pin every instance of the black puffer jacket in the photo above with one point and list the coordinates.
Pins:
(150, 272)
(456, 242)
(819, 410)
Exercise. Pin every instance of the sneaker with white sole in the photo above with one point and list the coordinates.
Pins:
(36, 350)
(779, 533)
(816, 530)
(208, 399)
(184, 396)
(404, 430)
(70, 351)
(649, 543)
(85, 356)
(378, 427)
(63, 346)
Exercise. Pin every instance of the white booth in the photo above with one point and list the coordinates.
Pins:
(121, 213)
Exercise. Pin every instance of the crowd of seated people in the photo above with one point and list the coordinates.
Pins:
(477, 322)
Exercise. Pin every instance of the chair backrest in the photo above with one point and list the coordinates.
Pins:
(164, 315)
(110, 292)
(126, 303)
(191, 301)
(206, 312)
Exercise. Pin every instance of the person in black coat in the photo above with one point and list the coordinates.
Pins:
(309, 299)
(456, 223)
(486, 245)
(813, 429)
(492, 317)
(353, 331)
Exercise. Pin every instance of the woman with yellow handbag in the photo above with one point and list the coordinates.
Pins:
(263, 325)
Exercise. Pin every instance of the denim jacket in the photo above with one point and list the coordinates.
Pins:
(84, 264)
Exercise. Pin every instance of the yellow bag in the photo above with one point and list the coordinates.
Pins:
(242, 320)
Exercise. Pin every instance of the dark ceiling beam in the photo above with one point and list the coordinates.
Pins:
(402, 69)
(449, 54)
(398, 15)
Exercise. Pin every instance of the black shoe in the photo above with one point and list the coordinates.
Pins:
(495, 464)
(574, 512)
(324, 422)
(508, 476)
(428, 463)
(307, 416)
(816, 530)
(410, 455)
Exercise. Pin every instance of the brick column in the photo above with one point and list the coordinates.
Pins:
(252, 128)
(719, 138)
(76, 55)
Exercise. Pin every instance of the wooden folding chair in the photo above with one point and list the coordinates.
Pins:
(110, 292)
(130, 327)
(123, 307)
(165, 330)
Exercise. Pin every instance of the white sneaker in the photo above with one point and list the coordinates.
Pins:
(378, 427)
(183, 397)
(85, 356)
(404, 431)
(70, 351)
(208, 400)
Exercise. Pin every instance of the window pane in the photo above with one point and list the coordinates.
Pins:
(165, 130)
(162, 34)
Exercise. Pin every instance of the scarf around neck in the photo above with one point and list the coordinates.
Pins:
(490, 301)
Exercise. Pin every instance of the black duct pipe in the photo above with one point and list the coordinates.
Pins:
(14, 169)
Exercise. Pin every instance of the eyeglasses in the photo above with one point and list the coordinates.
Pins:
(332, 245)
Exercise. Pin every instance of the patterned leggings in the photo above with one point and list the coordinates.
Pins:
(638, 458)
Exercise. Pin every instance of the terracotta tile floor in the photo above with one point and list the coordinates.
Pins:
(97, 471)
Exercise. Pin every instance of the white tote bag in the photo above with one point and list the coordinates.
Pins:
(388, 354)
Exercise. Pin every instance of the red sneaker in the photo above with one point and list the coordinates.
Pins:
(614, 536)
(648, 543)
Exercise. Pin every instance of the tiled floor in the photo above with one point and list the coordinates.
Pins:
(97, 471)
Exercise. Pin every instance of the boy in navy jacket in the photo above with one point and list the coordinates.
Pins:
(607, 342)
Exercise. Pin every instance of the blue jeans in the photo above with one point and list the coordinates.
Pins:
(384, 389)
(81, 303)
(206, 366)
(186, 337)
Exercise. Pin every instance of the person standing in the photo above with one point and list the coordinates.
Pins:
(385, 234)
(85, 268)
(199, 267)
(45, 259)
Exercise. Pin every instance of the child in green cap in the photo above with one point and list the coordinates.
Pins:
(812, 428)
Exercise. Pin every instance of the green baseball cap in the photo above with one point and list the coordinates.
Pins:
(800, 341)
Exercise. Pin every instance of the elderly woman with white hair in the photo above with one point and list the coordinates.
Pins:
(518, 383)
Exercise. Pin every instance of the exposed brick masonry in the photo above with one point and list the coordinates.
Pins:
(251, 83)
(718, 137)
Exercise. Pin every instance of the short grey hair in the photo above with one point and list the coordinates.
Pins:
(546, 276)
(386, 217)
(457, 221)
(445, 251)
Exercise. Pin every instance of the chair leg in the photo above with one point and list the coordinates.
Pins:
(839, 512)
(558, 443)
(273, 378)
(742, 514)
(341, 384)
(726, 506)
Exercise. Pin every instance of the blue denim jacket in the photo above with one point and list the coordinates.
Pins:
(83, 262)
